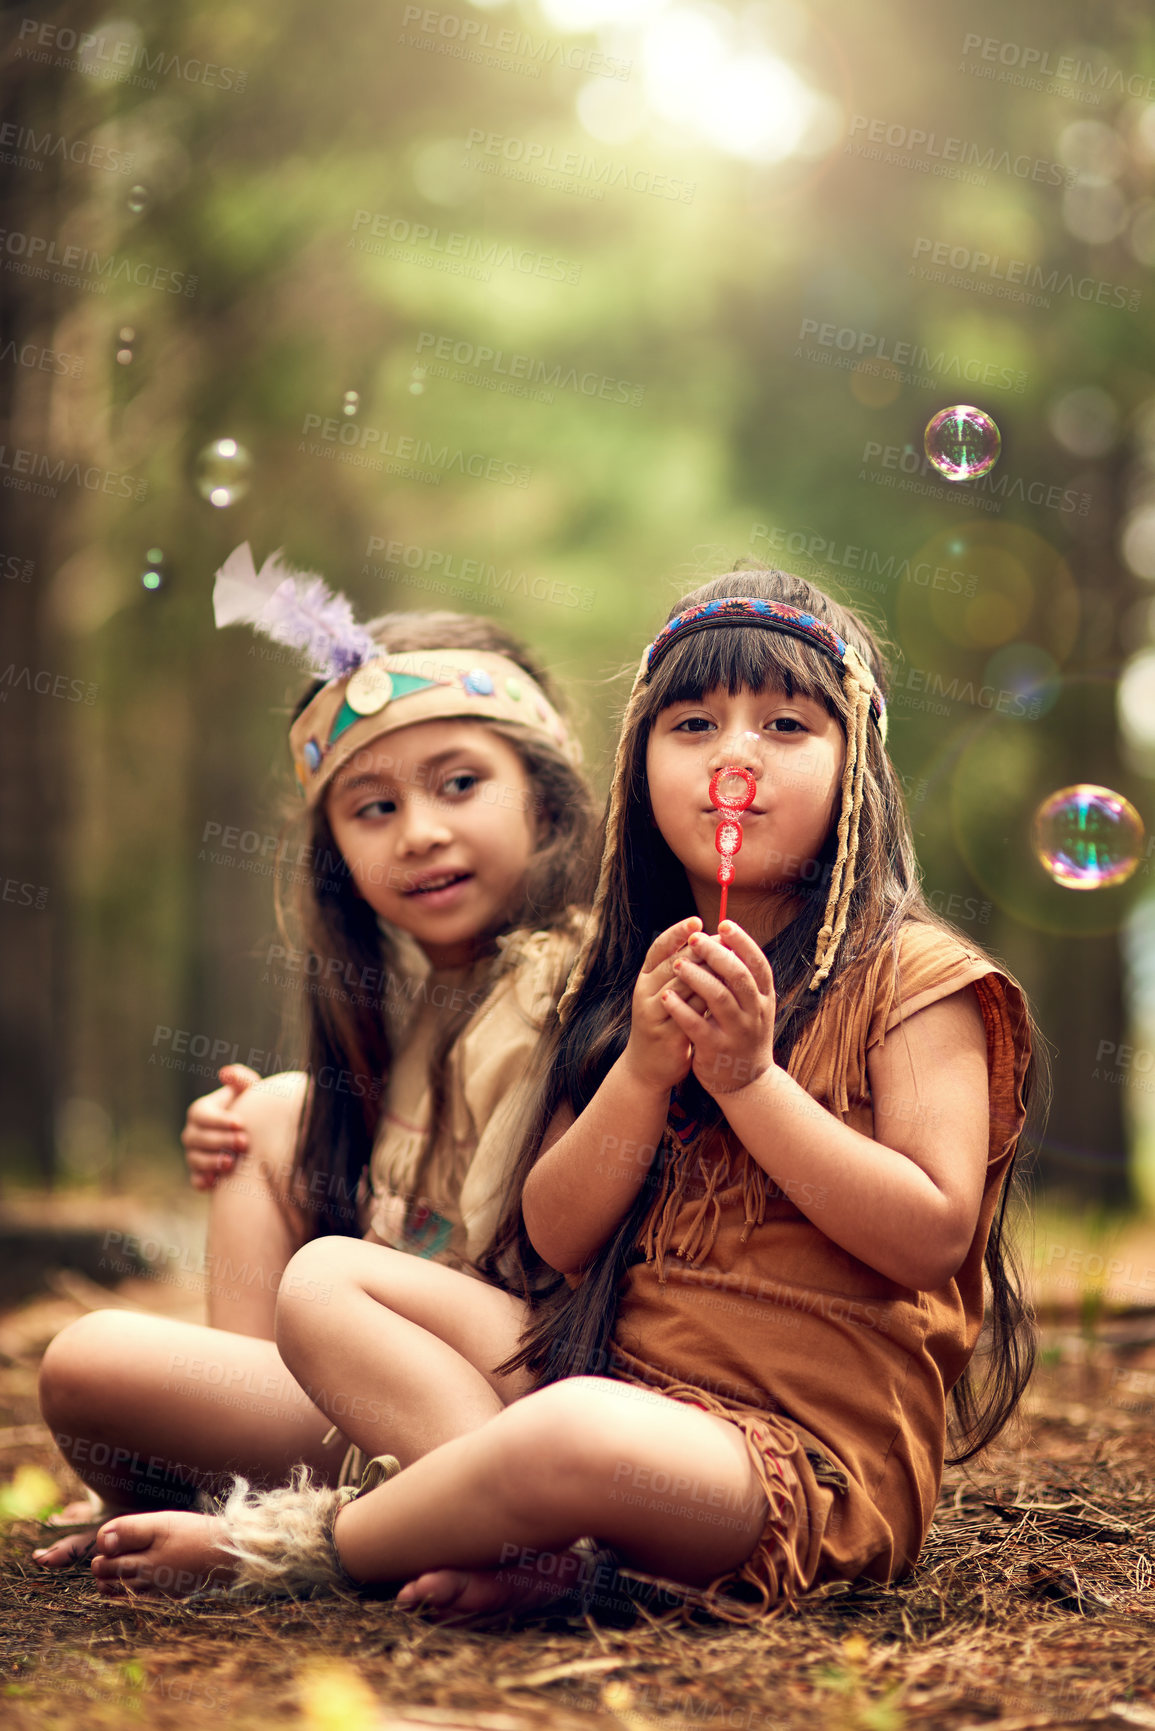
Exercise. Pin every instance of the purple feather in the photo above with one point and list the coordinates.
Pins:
(297, 609)
(303, 613)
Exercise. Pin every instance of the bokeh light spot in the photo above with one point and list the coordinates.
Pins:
(1136, 702)
(1085, 421)
(1138, 543)
(875, 384)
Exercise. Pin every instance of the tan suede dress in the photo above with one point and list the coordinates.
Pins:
(837, 1376)
(449, 1211)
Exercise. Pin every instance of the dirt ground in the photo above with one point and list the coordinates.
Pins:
(1033, 1604)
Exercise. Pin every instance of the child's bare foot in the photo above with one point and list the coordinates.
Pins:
(171, 1553)
(531, 1581)
(85, 1511)
(76, 1548)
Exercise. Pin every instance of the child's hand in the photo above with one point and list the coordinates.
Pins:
(733, 1037)
(657, 1051)
(212, 1137)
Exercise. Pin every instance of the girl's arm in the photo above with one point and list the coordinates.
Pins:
(906, 1201)
(592, 1168)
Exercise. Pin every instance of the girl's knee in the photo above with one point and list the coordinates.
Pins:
(75, 1359)
(308, 1289)
(553, 1450)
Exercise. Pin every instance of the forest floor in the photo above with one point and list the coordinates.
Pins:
(1033, 1604)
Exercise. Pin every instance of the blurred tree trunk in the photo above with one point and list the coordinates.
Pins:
(32, 788)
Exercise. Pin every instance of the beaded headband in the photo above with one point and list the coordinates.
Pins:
(864, 699)
(368, 691)
(773, 616)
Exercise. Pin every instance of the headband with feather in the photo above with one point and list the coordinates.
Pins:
(368, 691)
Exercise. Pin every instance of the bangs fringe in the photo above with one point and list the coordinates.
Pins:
(733, 657)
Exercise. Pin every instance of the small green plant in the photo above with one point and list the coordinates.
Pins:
(29, 1495)
(858, 1706)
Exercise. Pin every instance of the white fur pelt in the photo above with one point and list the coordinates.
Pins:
(282, 1540)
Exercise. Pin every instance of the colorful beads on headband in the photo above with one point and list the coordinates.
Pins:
(773, 616)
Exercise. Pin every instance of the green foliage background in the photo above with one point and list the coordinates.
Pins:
(738, 434)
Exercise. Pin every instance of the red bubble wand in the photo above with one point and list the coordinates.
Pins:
(728, 835)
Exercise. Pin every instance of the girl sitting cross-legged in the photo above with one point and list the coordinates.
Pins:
(450, 834)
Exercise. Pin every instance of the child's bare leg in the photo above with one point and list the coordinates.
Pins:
(254, 1225)
(389, 1385)
(254, 1228)
(416, 1341)
(147, 1411)
(671, 1488)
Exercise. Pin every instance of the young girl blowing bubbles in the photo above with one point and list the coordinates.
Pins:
(770, 1167)
(450, 832)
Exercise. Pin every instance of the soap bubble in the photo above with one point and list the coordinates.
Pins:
(223, 472)
(350, 403)
(153, 576)
(1087, 838)
(962, 442)
(137, 199)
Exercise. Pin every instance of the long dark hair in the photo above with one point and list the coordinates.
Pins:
(647, 892)
(359, 966)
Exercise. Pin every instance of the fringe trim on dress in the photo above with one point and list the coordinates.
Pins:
(781, 1566)
(715, 1172)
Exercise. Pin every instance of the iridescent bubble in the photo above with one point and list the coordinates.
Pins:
(153, 576)
(1087, 837)
(137, 199)
(962, 442)
(222, 474)
(350, 403)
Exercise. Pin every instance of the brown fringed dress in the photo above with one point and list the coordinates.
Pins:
(837, 1376)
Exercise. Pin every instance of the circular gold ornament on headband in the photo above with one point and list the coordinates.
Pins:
(369, 689)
